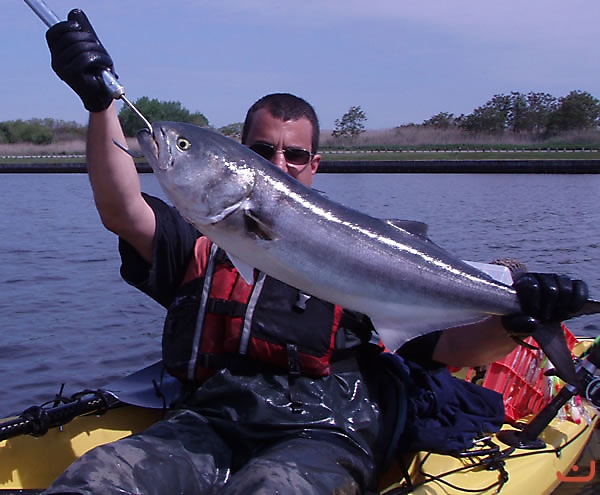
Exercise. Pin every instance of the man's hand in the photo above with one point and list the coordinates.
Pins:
(79, 58)
(544, 298)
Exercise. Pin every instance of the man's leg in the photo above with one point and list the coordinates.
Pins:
(304, 466)
(180, 455)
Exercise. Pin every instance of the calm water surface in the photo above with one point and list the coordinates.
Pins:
(67, 317)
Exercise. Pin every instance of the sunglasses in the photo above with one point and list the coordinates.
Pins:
(294, 156)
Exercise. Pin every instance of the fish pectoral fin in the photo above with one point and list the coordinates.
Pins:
(255, 226)
(551, 339)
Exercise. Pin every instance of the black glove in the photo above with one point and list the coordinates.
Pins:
(79, 58)
(544, 298)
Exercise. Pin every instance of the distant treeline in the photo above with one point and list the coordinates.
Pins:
(532, 117)
(535, 114)
(40, 131)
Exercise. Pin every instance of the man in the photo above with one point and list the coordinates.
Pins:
(275, 399)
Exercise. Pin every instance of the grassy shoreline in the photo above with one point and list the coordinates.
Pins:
(74, 152)
(460, 155)
(363, 155)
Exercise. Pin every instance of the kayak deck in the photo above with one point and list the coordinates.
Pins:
(509, 471)
(30, 463)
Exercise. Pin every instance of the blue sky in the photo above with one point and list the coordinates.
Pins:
(401, 61)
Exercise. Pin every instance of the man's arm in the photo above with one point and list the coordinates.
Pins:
(544, 298)
(116, 184)
(474, 345)
(78, 58)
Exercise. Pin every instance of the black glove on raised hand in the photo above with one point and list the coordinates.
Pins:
(79, 58)
(544, 298)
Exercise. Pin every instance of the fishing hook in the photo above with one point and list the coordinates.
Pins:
(137, 112)
(146, 122)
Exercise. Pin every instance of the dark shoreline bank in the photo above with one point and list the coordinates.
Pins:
(379, 166)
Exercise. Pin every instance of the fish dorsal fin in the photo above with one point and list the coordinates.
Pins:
(412, 226)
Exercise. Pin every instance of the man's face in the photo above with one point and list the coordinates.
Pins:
(290, 138)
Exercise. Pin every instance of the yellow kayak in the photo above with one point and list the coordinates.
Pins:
(27, 462)
(506, 471)
(32, 462)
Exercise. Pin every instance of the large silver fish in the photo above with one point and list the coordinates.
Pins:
(260, 215)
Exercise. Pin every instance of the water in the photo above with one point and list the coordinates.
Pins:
(67, 317)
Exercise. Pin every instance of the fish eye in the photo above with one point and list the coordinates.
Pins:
(183, 144)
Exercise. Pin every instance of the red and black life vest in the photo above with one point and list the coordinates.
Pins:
(219, 321)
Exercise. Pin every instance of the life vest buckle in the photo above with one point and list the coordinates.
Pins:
(300, 305)
(294, 368)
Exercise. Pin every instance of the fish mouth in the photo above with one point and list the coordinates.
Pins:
(151, 148)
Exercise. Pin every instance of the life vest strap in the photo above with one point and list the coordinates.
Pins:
(233, 309)
(239, 364)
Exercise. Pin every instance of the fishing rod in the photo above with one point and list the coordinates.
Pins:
(115, 89)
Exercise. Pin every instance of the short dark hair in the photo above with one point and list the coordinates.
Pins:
(285, 106)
